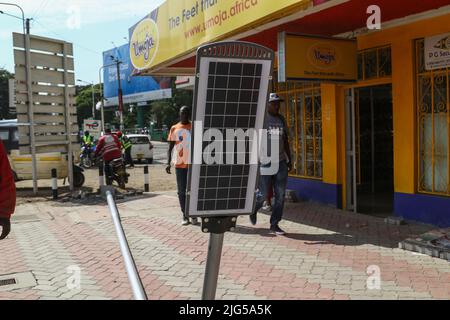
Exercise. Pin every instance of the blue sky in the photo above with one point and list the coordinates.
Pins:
(91, 25)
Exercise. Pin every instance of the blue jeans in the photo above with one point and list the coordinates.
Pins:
(279, 184)
(182, 177)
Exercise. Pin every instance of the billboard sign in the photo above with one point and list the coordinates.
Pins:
(307, 58)
(52, 93)
(178, 27)
(437, 52)
(135, 88)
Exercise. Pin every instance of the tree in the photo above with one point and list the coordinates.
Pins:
(84, 102)
(166, 111)
(4, 94)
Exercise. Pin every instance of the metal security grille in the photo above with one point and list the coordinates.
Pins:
(433, 126)
(7, 282)
(303, 112)
(374, 63)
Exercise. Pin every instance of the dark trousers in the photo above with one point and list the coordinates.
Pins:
(128, 159)
(182, 177)
(278, 182)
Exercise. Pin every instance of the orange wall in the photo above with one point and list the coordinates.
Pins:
(401, 40)
(329, 132)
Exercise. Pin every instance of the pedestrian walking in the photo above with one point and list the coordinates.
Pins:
(7, 193)
(179, 141)
(277, 130)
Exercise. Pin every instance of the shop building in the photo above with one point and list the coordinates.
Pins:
(377, 144)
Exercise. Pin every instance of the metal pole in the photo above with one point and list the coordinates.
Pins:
(372, 135)
(120, 96)
(93, 102)
(68, 120)
(26, 35)
(146, 180)
(54, 184)
(30, 106)
(355, 184)
(101, 94)
(130, 265)
(212, 266)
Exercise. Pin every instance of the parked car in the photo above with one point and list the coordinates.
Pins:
(22, 164)
(142, 147)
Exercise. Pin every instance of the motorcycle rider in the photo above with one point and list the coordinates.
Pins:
(126, 146)
(109, 148)
(88, 142)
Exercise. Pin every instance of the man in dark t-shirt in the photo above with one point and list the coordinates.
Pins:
(275, 125)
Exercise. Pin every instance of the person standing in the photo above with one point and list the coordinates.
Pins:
(179, 140)
(277, 131)
(7, 193)
(127, 145)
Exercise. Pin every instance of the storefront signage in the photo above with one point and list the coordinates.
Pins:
(316, 59)
(437, 52)
(178, 27)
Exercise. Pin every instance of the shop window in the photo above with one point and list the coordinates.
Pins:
(303, 112)
(433, 122)
(374, 63)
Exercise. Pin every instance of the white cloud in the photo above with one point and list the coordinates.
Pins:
(57, 14)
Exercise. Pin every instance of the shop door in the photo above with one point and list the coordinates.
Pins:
(370, 155)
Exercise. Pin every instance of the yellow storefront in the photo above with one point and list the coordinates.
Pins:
(379, 145)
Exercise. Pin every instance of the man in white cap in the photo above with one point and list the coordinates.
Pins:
(277, 130)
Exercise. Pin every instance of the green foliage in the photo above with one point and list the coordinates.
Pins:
(166, 111)
(84, 103)
(4, 94)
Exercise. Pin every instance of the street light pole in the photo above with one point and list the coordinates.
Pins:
(26, 36)
(102, 94)
(120, 93)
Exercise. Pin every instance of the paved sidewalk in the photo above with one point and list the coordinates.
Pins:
(325, 256)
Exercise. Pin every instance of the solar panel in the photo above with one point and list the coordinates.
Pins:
(229, 107)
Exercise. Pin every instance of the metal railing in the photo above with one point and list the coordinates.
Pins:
(130, 265)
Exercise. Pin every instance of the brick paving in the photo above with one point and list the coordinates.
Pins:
(326, 255)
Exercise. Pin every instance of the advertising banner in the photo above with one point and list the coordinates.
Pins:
(437, 52)
(316, 58)
(180, 26)
(135, 88)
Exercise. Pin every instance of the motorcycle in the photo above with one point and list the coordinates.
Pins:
(86, 156)
(116, 172)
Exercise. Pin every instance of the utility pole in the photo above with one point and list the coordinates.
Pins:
(120, 95)
(26, 36)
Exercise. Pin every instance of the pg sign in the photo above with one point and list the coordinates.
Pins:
(437, 52)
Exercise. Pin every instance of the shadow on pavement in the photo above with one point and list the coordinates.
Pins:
(349, 229)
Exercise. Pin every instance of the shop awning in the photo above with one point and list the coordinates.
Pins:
(324, 18)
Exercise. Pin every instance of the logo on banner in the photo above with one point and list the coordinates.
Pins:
(323, 56)
(144, 44)
(443, 44)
